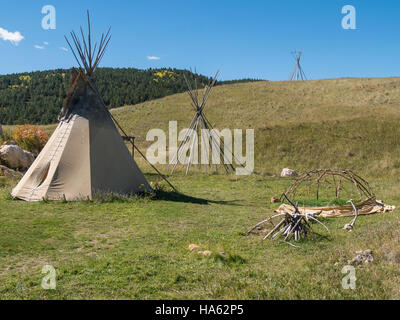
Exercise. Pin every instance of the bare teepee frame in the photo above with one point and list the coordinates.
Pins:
(297, 73)
(89, 58)
(210, 137)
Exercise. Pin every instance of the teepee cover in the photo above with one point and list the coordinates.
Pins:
(86, 154)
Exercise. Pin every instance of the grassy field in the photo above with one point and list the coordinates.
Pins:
(138, 248)
(343, 123)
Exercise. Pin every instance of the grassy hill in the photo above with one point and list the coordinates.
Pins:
(343, 123)
(138, 248)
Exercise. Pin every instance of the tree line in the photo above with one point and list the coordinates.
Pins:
(37, 97)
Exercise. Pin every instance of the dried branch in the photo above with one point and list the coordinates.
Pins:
(316, 177)
(294, 225)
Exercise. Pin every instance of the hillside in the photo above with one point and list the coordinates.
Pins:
(37, 97)
(343, 123)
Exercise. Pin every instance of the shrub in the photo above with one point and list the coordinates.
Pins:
(30, 137)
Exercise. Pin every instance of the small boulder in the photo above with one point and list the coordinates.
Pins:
(193, 247)
(275, 200)
(15, 157)
(286, 172)
(362, 257)
(348, 227)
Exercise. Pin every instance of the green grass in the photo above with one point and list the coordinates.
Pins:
(138, 248)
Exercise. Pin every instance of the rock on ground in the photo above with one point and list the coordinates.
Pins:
(193, 247)
(362, 257)
(286, 172)
(15, 157)
(275, 200)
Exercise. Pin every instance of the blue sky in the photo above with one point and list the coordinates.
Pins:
(241, 38)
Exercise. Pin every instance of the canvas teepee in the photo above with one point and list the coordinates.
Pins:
(86, 154)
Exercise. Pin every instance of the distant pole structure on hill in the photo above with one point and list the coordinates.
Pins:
(297, 73)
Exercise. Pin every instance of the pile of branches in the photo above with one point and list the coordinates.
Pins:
(292, 226)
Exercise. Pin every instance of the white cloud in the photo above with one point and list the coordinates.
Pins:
(45, 43)
(63, 49)
(13, 37)
(38, 47)
(153, 58)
